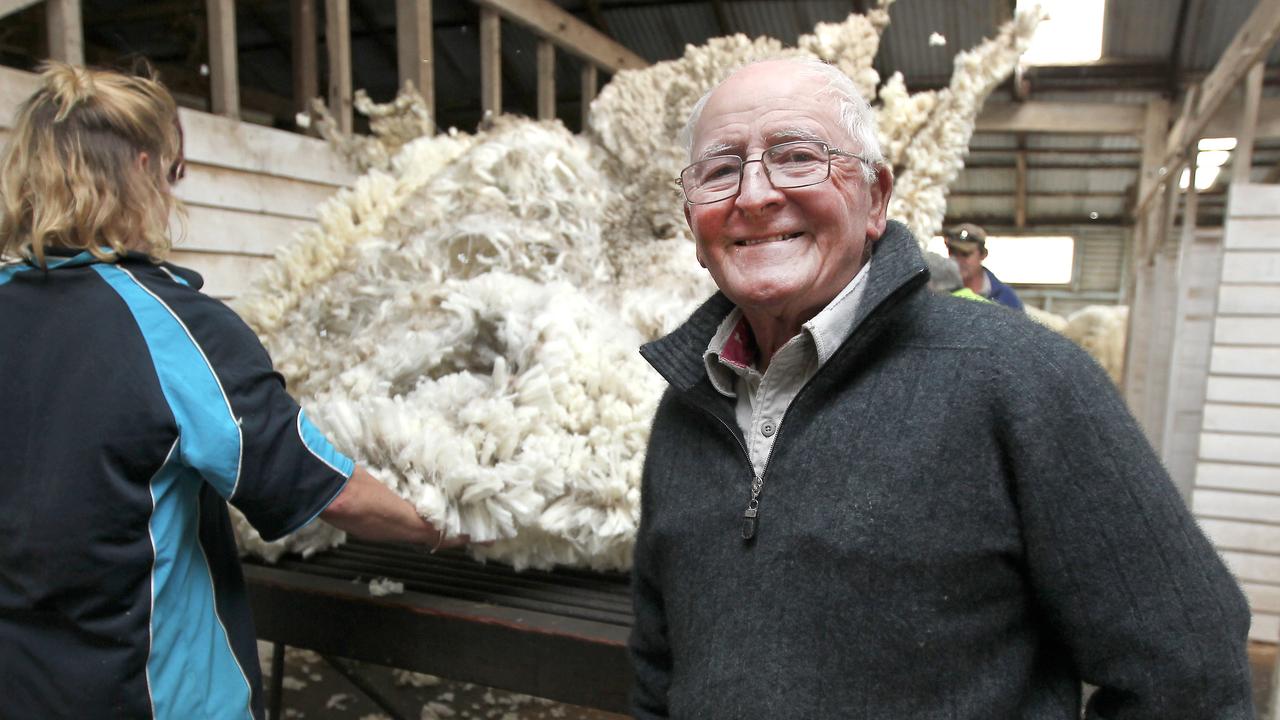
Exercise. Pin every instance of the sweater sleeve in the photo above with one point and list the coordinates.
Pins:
(650, 651)
(1121, 572)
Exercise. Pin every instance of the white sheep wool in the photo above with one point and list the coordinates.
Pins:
(464, 319)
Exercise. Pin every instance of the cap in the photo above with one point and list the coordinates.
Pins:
(966, 233)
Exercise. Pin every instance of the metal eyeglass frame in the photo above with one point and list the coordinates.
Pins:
(742, 169)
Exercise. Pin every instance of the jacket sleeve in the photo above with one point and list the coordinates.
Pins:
(650, 652)
(1120, 570)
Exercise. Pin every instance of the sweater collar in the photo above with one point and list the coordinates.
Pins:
(898, 269)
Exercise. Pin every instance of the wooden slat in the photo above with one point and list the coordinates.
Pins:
(1241, 535)
(306, 61)
(1242, 418)
(1253, 507)
(548, 20)
(1255, 362)
(415, 49)
(589, 87)
(221, 142)
(1251, 267)
(1255, 567)
(1253, 233)
(490, 62)
(224, 79)
(1228, 476)
(1229, 330)
(337, 38)
(66, 31)
(212, 229)
(1249, 300)
(247, 191)
(1264, 598)
(225, 276)
(1253, 200)
(546, 80)
(1242, 162)
(1243, 390)
(1248, 449)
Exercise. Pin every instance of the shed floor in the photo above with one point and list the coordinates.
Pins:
(346, 690)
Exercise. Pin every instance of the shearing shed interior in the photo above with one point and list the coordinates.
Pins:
(453, 222)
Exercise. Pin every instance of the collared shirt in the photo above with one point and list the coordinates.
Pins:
(763, 398)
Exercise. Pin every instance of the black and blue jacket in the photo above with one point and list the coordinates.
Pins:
(133, 407)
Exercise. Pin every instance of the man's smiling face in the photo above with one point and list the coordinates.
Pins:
(782, 253)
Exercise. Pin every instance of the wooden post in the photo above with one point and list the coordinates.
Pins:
(66, 32)
(546, 80)
(490, 62)
(589, 82)
(1243, 162)
(224, 79)
(1138, 292)
(306, 71)
(1020, 180)
(415, 49)
(337, 39)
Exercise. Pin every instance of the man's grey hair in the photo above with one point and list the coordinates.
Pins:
(852, 110)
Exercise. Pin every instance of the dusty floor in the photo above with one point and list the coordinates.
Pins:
(314, 688)
(345, 690)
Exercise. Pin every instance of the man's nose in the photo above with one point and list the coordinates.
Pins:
(756, 191)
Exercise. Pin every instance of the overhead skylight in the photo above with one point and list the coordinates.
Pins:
(1071, 36)
(1211, 155)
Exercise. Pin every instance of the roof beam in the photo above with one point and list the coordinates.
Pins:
(1250, 45)
(547, 20)
(9, 7)
(1061, 117)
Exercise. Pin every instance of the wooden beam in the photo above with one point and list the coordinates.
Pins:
(306, 63)
(1020, 182)
(490, 62)
(1061, 117)
(416, 49)
(546, 80)
(1250, 45)
(9, 7)
(589, 83)
(66, 31)
(337, 39)
(224, 76)
(1242, 163)
(548, 20)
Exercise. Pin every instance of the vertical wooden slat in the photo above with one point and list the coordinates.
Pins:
(416, 50)
(306, 71)
(66, 33)
(589, 82)
(1020, 181)
(337, 40)
(490, 62)
(546, 80)
(1243, 161)
(224, 80)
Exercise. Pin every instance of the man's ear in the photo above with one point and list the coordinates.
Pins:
(880, 190)
(697, 249)
(144, 161)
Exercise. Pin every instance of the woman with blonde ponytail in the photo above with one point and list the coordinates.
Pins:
(134, 408)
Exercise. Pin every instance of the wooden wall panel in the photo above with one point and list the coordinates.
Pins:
(1237, 484)
(248, 189)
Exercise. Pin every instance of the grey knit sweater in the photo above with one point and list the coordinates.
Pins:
(959, 520)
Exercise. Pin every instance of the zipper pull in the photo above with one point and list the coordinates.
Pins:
(749, 520)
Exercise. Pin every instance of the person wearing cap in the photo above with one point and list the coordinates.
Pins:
(967, 245)
(862, 499)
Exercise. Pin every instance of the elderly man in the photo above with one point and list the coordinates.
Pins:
(967, 245)
(866, 500)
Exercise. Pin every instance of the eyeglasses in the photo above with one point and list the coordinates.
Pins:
(787, 165)
(178, 169)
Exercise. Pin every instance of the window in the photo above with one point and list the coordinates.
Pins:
(1026, 260)
(1211, 155)
(1071, 36)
